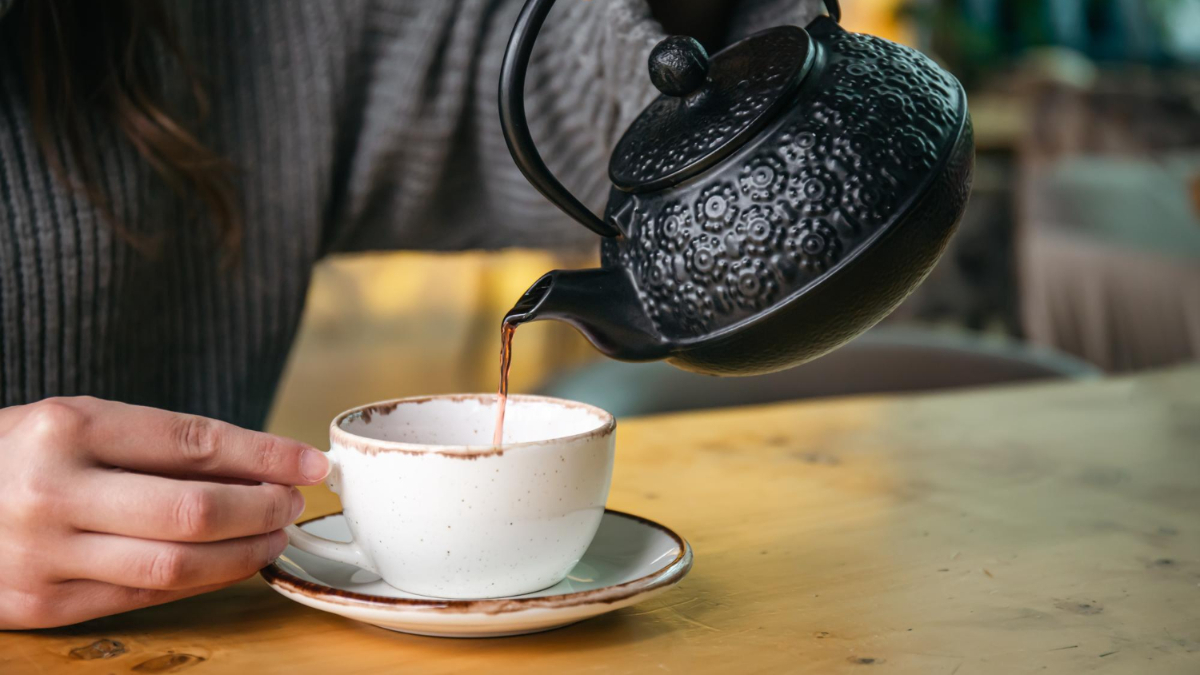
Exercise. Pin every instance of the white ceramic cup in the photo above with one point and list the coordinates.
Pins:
(436, 510)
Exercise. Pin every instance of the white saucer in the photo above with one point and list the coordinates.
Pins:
(631, 559)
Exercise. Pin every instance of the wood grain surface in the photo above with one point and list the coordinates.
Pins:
(1053, 529)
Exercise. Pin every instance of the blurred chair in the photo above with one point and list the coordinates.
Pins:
(1108, 245)
(884, 360)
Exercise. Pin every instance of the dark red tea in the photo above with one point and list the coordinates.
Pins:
(506, 335)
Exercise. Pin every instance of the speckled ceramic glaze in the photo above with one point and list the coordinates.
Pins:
(435, 510)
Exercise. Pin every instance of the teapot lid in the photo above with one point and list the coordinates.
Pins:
(709, 107)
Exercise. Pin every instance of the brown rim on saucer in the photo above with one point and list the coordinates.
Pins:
(372, 446)
(274, 575)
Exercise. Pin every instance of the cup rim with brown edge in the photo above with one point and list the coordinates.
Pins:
(366, 445)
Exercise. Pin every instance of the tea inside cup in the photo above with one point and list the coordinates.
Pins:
(463, 424)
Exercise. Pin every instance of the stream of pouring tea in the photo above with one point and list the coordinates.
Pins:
(506, 336)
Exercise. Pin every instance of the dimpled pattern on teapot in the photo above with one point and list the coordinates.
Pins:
(664, 142)
(810, 193)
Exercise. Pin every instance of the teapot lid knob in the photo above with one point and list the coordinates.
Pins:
(678, 65)
(709, 106)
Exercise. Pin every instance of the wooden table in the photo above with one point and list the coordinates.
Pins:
(1052, 528)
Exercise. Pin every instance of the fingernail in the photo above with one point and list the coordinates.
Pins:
(297, 505)
(313, 465)
(278, 542)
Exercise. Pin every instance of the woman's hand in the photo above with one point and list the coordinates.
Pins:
(107, 507)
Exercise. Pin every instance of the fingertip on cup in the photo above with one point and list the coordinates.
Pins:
(297, 505)
(314, 465)
(277, 542)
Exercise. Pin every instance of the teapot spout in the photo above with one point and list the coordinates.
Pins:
(602, 304)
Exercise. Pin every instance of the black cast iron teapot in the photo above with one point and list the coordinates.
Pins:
(778, 199)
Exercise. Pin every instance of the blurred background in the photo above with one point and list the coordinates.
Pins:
(1079, 253)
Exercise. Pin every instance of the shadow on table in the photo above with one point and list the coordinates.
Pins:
(679, 608)
(252, 608)
(249, 605)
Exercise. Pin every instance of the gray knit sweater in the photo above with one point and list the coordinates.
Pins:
(355, 125)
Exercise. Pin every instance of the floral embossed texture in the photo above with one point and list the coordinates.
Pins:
(717, 207)
(803, 143)
(814, 190)
(929, 107)
(673, 285)
(858, 73)
(752, 284)
(696, 308)
(760, 231)
(762, 178)
(705, 259)
(869, 199)
(908, 150)
(674, 228)
(809, 196)
(813, 245)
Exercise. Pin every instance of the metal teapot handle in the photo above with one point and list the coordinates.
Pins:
(516, 127)
(834, 8)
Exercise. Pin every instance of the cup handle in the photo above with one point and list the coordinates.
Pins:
(339, 551)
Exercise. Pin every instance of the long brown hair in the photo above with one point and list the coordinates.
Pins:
(88, 56)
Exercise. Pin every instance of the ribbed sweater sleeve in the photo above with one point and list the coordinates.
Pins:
(434, 173)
